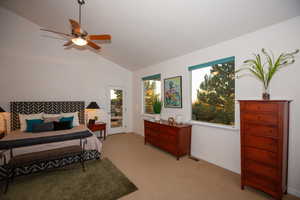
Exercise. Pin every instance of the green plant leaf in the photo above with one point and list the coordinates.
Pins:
(157, 105)
(257, 68)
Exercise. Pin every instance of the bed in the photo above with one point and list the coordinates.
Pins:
(37, 142)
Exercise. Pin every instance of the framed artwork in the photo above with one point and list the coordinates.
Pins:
(173, 92)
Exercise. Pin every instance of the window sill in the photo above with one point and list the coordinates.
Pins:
(148, 115)
(233, 128)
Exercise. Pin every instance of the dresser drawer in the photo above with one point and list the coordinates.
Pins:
(171, 131)
(264, 143)
(261, 156)
(261, 118)
(260, 182)
(170, 148)
(152, 126)
(260, 169)
(260, 107)
(260, 130)
(167, 138)
(172, 139)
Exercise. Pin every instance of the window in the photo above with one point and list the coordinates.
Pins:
(213, 91)
(151, 90)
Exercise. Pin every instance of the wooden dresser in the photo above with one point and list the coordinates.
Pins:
(264, 145)
(175, 139)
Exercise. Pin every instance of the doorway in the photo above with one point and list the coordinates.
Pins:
(116, 123)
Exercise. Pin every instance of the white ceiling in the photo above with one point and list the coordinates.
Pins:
(145, 32)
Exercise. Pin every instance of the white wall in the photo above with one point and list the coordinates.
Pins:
(35, 67)
(222, 146)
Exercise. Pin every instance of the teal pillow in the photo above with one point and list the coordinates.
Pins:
(31, 122)
(67, 119)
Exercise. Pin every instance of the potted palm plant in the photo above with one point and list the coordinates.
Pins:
(157, 105)
(265, 68)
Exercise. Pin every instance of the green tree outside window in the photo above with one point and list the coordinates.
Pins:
(215, 95)
(152, 90)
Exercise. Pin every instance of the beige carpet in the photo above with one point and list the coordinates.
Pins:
(159, 176)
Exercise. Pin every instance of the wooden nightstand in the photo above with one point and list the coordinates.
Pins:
(98, 127)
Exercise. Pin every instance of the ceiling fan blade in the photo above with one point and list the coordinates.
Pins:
(68, 43)
(93, 45)
(99, 37)
(56, 32)
(75, 26)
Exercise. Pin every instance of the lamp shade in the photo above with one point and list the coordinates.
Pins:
(93, 105)
(1, 110)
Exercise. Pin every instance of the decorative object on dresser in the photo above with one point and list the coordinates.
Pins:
(171, 120)
(157, 104)
(175, 139)
(178, 119)
(173, 92)
(264, 70)
(101, 127)
(264, 145)
(93, 106)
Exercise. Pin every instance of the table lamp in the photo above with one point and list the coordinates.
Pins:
(2, 111)
(93, 106)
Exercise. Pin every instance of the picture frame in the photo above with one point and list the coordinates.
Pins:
(173, 92)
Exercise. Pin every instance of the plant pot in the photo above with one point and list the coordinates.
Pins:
(157, 117)
(266, 94)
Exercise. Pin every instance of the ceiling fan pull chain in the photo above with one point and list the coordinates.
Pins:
(80, 14)
(80, 2)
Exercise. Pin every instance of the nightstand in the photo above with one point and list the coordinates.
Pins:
(98, 127)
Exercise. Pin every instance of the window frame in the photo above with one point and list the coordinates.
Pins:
(209, 124)
(150, 77)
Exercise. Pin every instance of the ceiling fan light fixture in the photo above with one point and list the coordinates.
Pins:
(79, 41)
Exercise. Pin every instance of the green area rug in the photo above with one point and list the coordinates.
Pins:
(101, 181)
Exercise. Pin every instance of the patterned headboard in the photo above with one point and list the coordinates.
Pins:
(49, 107)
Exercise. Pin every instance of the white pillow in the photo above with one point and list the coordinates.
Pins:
(23, 118)
(75, 119)
(51, 115)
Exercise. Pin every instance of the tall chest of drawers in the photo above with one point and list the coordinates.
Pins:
(264, 145)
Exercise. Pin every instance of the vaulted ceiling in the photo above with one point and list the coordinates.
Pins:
(145, 32)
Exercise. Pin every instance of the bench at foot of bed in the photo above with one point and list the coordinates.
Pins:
(39, 161)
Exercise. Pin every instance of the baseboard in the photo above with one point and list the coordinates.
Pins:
(294, 192)
(135, 133)
(216, 164)
(194, 158)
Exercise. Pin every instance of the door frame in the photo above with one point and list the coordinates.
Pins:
(122, 129)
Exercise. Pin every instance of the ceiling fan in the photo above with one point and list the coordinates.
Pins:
(79, 36)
